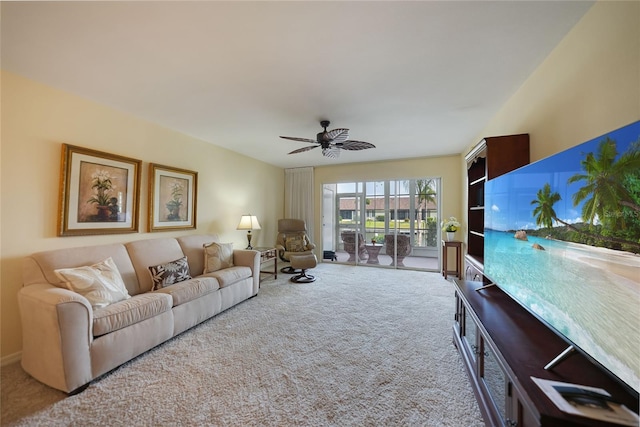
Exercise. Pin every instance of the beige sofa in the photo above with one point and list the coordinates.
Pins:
(67, 343)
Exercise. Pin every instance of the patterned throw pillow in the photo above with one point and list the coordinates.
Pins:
(217, 256)
(100, 283)
(167, 274)
(295, 244)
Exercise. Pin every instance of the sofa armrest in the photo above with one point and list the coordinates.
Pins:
(57, 336)
(249, 258)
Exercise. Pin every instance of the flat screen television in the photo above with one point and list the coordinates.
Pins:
(562, 238)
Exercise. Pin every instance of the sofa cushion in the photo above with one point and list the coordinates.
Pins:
(129, 312)
(191, 245)
(231, 275)
(169, 273)
(148, 252)
(99, 283)
(190, 289)
(40, 267)
(217, 256)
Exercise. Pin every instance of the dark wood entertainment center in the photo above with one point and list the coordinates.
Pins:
(501, 343)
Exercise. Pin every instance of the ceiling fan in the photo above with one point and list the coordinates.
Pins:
(331, 142)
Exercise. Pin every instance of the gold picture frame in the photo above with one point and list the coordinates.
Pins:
(173, 196)
(99, 192)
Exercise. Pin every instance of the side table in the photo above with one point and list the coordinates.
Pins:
(457, 245)
(268, 254)
(373, 251)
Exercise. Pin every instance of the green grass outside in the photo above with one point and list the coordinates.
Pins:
(401, 224)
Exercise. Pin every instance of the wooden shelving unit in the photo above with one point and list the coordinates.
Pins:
(492, 157)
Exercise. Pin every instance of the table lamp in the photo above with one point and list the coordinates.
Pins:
(249, 222)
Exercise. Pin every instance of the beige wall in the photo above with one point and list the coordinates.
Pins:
(588, 85)
(447, 168)
(37, 119)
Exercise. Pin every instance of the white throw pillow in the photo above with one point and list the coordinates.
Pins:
(100, 283)
(217, 256)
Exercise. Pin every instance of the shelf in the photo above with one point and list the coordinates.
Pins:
(478, 181)
(477, 169)
(476, 194)
(476, 261)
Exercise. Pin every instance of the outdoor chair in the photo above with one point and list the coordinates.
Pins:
(348, 237)
(404, 247)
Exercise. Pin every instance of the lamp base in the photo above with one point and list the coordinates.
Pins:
(249, 240)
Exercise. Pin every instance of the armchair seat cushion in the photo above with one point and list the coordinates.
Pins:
(230, 275)
(286, 255)
(125, 313)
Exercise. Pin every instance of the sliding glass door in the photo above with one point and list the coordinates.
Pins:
(383, 223)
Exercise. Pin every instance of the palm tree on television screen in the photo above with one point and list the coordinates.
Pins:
(544, 213)
(605, 188)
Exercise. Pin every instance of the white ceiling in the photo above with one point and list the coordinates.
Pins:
(414, 78)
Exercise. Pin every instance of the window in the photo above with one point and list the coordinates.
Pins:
(378, 212)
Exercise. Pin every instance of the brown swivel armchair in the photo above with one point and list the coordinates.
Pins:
(404, 247)
(349, 240)
(292, 239)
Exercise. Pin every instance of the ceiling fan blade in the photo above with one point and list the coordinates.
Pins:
(336, 135)
(302, 150)
(330, 142)
(356, 145)
(293, 138)
(332, 152)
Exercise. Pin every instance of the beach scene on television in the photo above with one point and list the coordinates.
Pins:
(562, 237)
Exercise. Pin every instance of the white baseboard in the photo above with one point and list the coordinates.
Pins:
(12, 358)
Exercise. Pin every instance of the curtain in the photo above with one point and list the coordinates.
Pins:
(298, 196)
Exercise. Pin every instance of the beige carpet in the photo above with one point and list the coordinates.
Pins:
(359, 347)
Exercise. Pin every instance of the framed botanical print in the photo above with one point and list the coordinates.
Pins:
(172, 198)
(99, 192)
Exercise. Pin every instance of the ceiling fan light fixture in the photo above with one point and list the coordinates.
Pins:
(332, 153)
(331, 142)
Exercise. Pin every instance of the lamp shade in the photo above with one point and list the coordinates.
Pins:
(248, 222)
